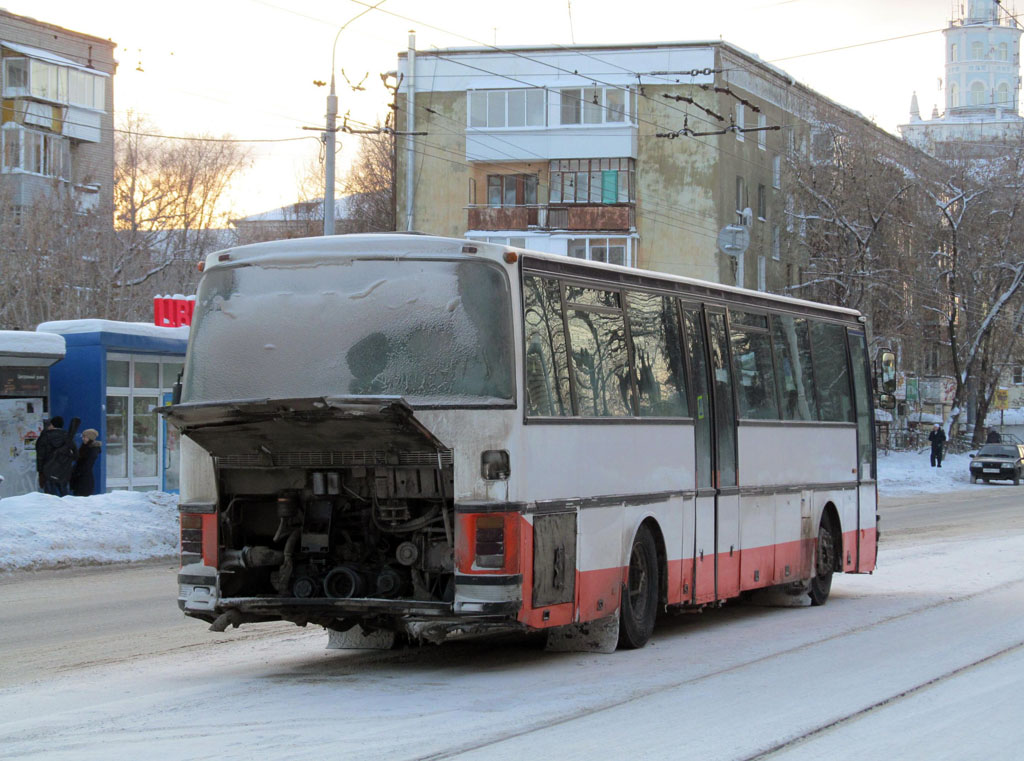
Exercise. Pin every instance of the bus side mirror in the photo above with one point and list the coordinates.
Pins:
(887, 371)
(176, 391)
(886, 402)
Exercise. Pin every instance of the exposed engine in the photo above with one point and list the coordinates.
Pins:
(356, 532)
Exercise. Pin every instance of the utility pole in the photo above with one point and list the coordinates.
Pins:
(330, 135)
(331, 131)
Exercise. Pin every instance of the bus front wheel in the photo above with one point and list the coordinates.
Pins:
(640, 592)
(824, 563)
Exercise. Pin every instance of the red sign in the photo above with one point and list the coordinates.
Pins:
(173, 311)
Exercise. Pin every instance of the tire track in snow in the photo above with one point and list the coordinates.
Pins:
(587, 711)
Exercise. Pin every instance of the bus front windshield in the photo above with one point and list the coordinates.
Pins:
(432, 331)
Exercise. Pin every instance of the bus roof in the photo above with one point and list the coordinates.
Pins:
(301, 251)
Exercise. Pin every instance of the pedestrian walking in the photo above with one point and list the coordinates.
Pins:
(938, 439)
(83, 482)
(55, 457)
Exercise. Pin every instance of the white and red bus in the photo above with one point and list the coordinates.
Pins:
(430, 436)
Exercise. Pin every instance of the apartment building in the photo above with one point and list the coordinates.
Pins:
(56, 113)
(648, 155)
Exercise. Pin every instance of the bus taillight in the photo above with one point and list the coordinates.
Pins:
(198, 539)
(490, 542)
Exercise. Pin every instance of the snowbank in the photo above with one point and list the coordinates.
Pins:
(42, 531)
(904, 473)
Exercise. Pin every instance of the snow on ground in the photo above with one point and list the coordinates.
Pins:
(43, 531)
(904, 473)
(1006, 417)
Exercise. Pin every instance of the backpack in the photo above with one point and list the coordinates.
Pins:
(62, 461)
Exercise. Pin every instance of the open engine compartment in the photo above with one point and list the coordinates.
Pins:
(383, 531)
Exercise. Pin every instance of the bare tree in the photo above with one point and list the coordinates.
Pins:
(978, 259)
(170, 207)
(369, 184)
(855, 209)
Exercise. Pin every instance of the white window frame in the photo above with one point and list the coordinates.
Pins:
(52, 149)
(762, 274)
(762, 136)
(740, 117)
(489, 95)
(594, 241)
(584, 104)
(776, 243)
(777, 171)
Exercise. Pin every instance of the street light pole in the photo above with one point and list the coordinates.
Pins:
(329, 143)
(330, 133)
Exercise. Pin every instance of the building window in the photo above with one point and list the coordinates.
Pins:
(1018, 376)
(954, 96)
(1003, 53)
(511, 189)
(609, 250)
(762, 277)
(777, 244)
(977, 51)
(51, 82)
(42, 153)
(954, 56)
(499, 109)
(977, 94)
(762, 136)
(762, 203)
(739, 122)
(1003, 95)
(741, 194)
(592, 181)
(777, 171)
(592, 105)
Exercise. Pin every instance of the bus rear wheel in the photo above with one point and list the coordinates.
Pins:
(639, 607)
(824, 563)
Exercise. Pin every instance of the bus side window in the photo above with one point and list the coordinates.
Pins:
(657, 355)
(547, 368)
(832, 379)
(793, 367)
(752, 367)
(600, 363)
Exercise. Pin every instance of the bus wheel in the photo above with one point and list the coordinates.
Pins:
(824, 563)
(640, 592)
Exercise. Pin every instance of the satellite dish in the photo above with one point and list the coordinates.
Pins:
(734, 240)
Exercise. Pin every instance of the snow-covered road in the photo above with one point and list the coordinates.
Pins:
(734, 683)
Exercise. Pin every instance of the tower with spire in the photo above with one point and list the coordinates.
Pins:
(981, 87)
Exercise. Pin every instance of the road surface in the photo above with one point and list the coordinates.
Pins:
(924, 659)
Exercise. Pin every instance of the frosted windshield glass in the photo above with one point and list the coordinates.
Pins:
(431, 331)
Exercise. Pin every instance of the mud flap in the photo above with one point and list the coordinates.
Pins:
(356, 639)
(600, 636)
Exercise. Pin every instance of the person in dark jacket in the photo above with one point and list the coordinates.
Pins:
(938, 439)
(82, 480)
(53, 462)
(993, 437)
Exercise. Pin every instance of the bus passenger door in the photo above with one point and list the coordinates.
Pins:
(716, 550)
(727, 500)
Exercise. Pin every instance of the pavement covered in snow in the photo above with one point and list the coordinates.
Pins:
(42, 531)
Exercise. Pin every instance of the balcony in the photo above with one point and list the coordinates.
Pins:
(589, 217)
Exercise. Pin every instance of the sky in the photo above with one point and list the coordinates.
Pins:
(246, 68)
